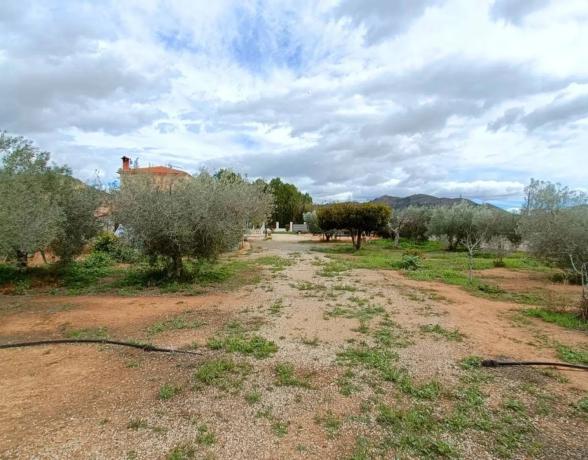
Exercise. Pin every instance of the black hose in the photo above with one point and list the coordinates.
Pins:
(494, 363)
(140, 346)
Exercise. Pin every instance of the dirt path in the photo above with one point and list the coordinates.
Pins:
(104, 402)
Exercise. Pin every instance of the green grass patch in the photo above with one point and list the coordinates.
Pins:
(168, 391)
(334, 268)
(330, 422)
(308, 286)
(184, 451)
(253, 397)
(286, 376)
(179, 322)
(276, 263)
(414, 431)
(256, 346)
(276, 307)
(565, 319)
(572, 355)
(87, 333)
(222, 373)
(205, 437)
(438, 330)
(280, 428)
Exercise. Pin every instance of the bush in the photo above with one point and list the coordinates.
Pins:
(117, 249)
(410, 262)
(491, 289)
(566, 277)
(105, 242)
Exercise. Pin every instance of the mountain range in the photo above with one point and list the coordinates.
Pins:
(398, 203)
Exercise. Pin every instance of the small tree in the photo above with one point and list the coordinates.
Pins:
(330, 219)
(554, 220)
(357, 218)
(450, 222)
(506, 236)
(415, 222)
(397, 222)
(479, 226)
(311, 220)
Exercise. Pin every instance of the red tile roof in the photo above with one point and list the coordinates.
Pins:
(159, 170)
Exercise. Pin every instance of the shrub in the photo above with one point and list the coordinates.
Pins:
(115, 247)
(409, 262)
(105, 242)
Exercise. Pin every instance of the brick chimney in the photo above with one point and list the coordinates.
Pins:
(126, 166)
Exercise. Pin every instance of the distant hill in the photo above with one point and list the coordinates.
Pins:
(396, 202)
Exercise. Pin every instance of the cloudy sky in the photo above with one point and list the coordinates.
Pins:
(349, 99)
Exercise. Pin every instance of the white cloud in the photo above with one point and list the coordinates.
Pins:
(349, 99)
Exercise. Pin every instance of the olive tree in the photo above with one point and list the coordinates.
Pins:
(469, 225)
(78, 203)
(41, 205)
(357, 218)
(198, 216)
(505, 237)
(311, 220)
(479, 225)
(554, 223)
(450, 222)
(411, 222)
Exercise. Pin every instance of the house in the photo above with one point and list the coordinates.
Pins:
(164, 176)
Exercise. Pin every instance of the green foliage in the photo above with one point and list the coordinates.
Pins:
(115, 247)
(198, 216)
(289, 202)
(312, 222)
(411, 223)
(554, 222)
(41, 205)
(78, 203)
(357, 218)
(409, 262)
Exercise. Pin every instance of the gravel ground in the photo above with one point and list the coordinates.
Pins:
(102, 402)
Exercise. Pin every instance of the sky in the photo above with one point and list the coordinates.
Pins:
(348, 99)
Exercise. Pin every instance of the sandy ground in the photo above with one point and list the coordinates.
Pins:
(81, 401)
